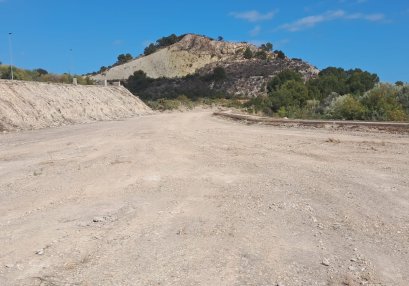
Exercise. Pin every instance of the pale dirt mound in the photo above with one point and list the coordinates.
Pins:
(33, 105)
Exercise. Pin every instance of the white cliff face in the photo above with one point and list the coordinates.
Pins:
(183, 58)
(32, 105)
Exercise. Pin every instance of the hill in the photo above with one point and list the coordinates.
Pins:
(248, 68)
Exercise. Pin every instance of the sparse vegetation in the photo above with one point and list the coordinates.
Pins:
(41, 75)
(162, 43)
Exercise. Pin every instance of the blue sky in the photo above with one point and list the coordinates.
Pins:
(369, 34)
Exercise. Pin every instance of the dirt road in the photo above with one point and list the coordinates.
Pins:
(191, 199)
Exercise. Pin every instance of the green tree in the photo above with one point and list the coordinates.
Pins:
(124, 58)
(281, 78)
(138, 82)
(150, 49)
(167, 41)
(399, 83)
(280, 54)
(292, 93)
(268, 47)
(248, 54)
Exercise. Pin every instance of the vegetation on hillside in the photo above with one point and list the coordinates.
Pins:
(162, 43)
(335, 94)
(41, 75)
(194, 86)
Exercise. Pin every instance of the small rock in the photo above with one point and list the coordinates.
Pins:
(352, 268)
(9, 265)
(98, 219)
(325, 262)
(40, 252)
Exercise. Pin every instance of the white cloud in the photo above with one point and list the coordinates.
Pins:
(256, 31)
(253, 15)
(312, 21)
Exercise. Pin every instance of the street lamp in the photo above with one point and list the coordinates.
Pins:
(70, 63)
(11, 56)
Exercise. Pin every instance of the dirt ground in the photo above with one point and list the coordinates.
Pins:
(192, 199)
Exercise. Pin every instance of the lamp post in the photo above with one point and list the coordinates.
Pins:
(11, 55)
(70, 64)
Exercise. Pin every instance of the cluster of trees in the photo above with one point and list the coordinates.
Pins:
(41, 75)
(262, 52)
(192, 86)
(162, 43)
(123, 59)
(337, 94)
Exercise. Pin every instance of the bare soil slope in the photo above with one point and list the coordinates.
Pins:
(191, 199)
(32, 105)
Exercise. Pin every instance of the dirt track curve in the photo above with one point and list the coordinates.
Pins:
(192, 199)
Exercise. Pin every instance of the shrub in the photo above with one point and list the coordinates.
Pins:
(346, 107)
(261, 54)
(280, 54)
(248, 54)
(219, 74)
(291, 94)
(124, 58)
(383, 103)
(282, 78)
(268, 47)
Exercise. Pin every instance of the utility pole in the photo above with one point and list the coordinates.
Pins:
(11, 55)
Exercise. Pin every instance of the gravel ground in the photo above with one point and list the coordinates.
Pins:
(191, 199)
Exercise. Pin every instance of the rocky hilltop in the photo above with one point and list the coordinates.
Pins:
(200, 55)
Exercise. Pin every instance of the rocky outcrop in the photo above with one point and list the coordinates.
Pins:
(32, 105)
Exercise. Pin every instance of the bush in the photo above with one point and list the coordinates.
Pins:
(219, 74)
(248, 54)
(383, 103)
(282, 78)
(162, 43)
(291, 94)
(124, 58)
(262, 55)
(268, 47)
(150, 49)
(346, 107)
(280, 54)
(138, 82)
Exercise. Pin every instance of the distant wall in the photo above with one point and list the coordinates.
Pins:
(32, 105)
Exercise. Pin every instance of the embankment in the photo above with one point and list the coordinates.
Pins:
(34, 105)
